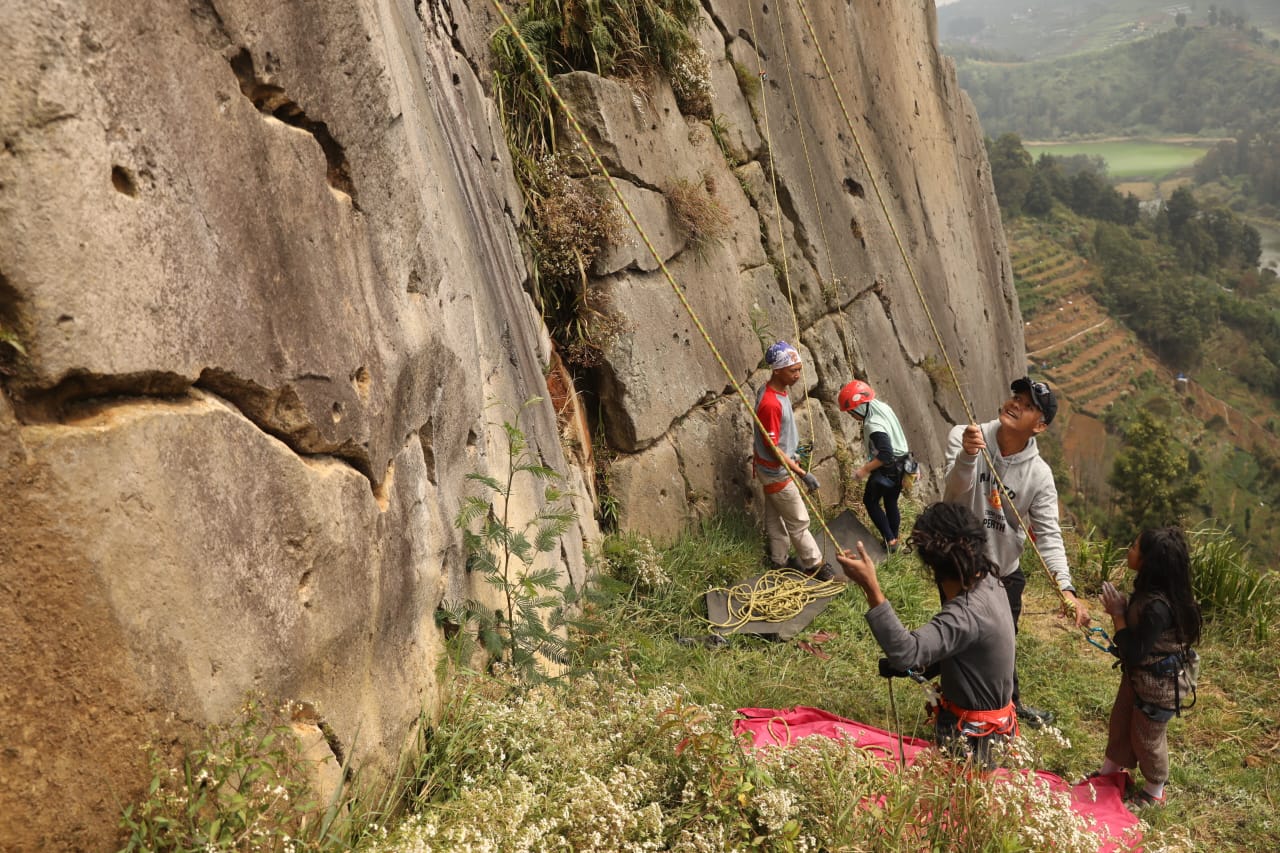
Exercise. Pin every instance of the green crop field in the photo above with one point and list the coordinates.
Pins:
(1132, 159)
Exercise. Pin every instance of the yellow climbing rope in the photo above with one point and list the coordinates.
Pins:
(776, 596)
(763, 77)
(653, 252)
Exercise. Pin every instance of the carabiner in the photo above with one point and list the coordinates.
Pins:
(1109, 648)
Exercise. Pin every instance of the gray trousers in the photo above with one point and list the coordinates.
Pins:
(786, 523)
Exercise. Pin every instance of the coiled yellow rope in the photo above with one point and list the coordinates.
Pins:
(778, 595)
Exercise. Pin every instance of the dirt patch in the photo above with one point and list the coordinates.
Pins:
(69, 704)
(1084, 443)
(1141, 190)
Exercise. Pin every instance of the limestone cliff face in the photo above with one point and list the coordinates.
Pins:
(261, 263)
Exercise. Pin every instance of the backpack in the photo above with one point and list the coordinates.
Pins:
(908, 468)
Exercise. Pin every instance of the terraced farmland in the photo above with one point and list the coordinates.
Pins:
(1089, 358)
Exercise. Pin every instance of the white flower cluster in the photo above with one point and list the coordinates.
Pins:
(1043, 817)
(691, 82)
(593, 767)
(639, 559)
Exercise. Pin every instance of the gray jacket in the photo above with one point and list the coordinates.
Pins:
(1029, 486)
(971, 640)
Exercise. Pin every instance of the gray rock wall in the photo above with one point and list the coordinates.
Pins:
(261, 262)
(820, 207)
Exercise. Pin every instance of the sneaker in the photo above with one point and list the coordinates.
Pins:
(1128, 781)
(1034, 717)
(1142, 799)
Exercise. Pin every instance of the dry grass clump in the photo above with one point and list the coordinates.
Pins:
(691, 82)
(701, 217)
(572, 221)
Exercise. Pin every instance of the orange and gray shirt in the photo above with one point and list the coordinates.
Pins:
(773, 408)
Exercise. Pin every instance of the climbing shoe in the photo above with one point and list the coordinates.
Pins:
(1034, 717)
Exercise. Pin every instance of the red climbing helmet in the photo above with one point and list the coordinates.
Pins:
(855, 394)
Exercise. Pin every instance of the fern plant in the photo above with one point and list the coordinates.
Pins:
(526, 628)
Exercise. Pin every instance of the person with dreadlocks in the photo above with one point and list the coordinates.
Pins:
(1154, 632)
(970, 642)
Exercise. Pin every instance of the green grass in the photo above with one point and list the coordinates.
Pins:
(1130, 159)
(632, 749)
(1223, 778)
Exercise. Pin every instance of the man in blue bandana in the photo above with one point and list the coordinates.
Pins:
(786, 520)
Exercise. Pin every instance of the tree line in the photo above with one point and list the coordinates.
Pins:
(1190, 80)
(1171, 273)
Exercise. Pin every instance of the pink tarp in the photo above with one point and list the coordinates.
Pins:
(1099, 799)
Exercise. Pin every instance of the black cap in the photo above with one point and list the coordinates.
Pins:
(1041, 396)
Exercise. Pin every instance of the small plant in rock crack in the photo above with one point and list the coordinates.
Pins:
(244, 787)
(524, 629)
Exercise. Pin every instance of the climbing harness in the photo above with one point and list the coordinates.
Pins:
(971, 723)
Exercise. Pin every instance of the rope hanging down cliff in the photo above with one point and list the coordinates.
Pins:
(915, 281)
(777, 209)
(653, 252)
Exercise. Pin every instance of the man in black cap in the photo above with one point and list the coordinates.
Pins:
(1028, 487)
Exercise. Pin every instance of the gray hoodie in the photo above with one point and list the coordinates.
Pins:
(1029, 486)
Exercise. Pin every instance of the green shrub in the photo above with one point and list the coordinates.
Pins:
(1232, 592)
(522, 631)
(570, 220)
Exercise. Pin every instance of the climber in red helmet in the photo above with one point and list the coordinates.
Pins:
(888, 455)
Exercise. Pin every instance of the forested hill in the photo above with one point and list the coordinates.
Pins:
(1191, 80)
(1041, 29)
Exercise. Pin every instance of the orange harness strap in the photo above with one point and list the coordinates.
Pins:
(1001, 721)
(769, 488)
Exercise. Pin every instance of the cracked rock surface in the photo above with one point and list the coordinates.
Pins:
(261, 281)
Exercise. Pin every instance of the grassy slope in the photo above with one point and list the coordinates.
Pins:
(1206, 82)
(1224, 775)
(1054, 28)
(1129, 160)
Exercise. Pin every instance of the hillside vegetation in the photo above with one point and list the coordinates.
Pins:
(1189, 81)
(630, 746)
(1106, 375)
(1042, 29)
